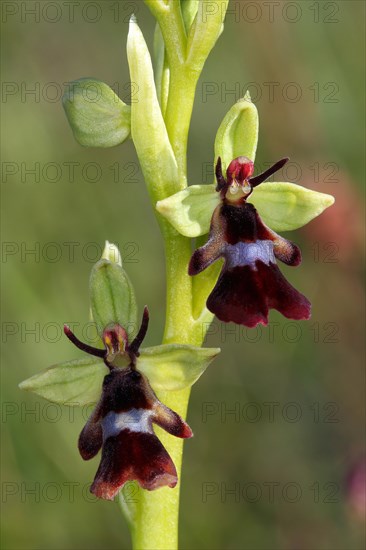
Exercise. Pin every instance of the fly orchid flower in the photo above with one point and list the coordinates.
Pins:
(126, 403)
(241, 213)
(121, 423)
(250, 282)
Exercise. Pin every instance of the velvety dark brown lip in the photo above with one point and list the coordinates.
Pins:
(122, 426)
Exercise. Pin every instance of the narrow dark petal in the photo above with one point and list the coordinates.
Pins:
(238, 298)
(133, 456)
(221, 181)
(281, 295)
(84, 347)
(171, 421)
(197, 262)
(260, 178)
(134, 347)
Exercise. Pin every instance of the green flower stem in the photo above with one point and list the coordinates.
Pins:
(183, 81)
(179, 317)
(171, 24)
(178, 115)
(156, 522)
(155, 525)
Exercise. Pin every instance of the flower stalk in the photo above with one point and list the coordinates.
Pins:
(156, 513)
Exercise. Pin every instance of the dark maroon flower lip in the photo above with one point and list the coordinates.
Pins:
(133, 456)
(250, 283)
(121, 425)
(260, 289)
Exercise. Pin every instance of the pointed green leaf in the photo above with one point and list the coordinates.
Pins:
(75, 383)
(189, 10)
(162, 71)
(190, 211)
(112, 297)
(285, 206)
(174, 367)
(157, 7)
(238, 132)
(112, 253)
(148, 129)
(97, 116)
(204, 32)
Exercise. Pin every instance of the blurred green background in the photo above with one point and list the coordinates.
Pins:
(292, 452)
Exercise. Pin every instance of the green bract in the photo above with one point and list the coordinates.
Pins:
(189, 10)
(282, 206)
(238, 132)
(97, 116)
(112, 297)
(206, 28)
(162, 72)
(112, 253)
(148, 129)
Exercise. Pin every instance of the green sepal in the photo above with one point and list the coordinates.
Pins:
(97, 116)
(173, 367)
(189, 211)
(112, 297)
(285, 206)
(238, 132)
(74, 383)
(170, 367)
(282, 206)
